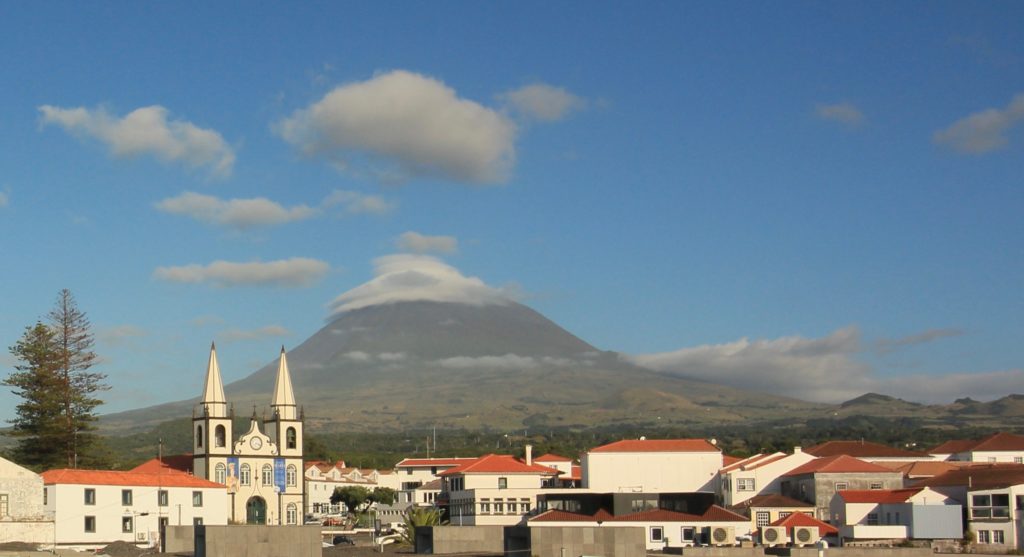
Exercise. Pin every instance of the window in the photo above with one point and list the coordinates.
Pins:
(1018, 460)
(127, 524)
(872, 519)
(784, 514)
(292, 514)
(199, 437)
(745, 484)
(245, 475)
(840, 486)
(126, 497)
(983, 536)
(220, 436)
(499, 507)
(996, 505)
(686, 534)
(268, 475)
(90, 524)
(997, 537)
(218, 473)
(161, 497)
(197, 521)
(197, 498)
(485, 506)
(291, 474)
(524, 505)
(290, 438)
(90, 496)
(764, 518)
(408, 472)
(502, 483)
(5, 505)
(433, 471)
(657, 533)
(46, 496)
(876, 485)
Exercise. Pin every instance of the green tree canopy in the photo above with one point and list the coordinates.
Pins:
(353, 496)
(39, 415)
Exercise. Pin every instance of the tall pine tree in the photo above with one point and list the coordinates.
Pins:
(78, 385)
(38, 421)
(56, 419)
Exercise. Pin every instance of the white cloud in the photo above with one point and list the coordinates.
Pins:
(404, 277)
(821, 369)
(543, 102)
(119, 334)
(359, 203)
(294, 272)
(358, 356)
(415, 124)
(4, 199)
(269, 331)
(844, 113)
(887, 345)
(234, 213)
(983, 131)
(508, 361)
(419, 243)
(391, 356)
(146, 131)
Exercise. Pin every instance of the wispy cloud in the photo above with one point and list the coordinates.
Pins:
(288, 273)
(120, 334)
(415, 125)
(235, 213)
(4, 199)
(844, 113)
(269, 331)
(983, 131)
(505, 362)
(359, 203)
(406, 277)
(543, 102)
(420, 243)
(147, 131)
(887, 345)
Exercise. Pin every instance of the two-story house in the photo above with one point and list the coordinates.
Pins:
(894, 515)
(817, 481)
(756, 475)
(492, 490)
(996, 448)
(652, 466)
(994, 497)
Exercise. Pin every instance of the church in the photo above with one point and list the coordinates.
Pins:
(261, 469)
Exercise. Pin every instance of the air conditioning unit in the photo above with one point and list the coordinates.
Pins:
(773, 535)
(140, 536)
(723, 535)
(805, 535)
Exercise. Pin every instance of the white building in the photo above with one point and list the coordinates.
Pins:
(262, 471)
(996, 448)
(93, 508)
(896, 514)
(323, 478)
(22, 516)
(757, 475)
(495, 490)
(652, 466)
(412, 474)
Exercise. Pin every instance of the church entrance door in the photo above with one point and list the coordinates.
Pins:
(256, 511)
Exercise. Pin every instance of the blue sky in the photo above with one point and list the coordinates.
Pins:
(815, 199)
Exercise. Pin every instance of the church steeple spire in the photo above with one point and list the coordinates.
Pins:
(284, 398)
(213, 401)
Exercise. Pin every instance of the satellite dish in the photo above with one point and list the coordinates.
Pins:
(714, 442)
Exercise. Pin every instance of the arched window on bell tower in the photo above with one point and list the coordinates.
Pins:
(220, 436)
(199, 437)
(290, 438)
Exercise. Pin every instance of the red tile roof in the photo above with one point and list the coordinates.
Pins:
(713, 514)
(979, 476)
(658, 446)
(729, 460)
(801, 519)
(114, 477)
(861, 449)
(840, 464)
(499, 464)
(1001, 441)
(454, 461)
(178, 462)
(550, 457)
(879, 495)
(922, 468)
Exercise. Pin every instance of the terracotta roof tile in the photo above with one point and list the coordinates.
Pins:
(801, 519)
(499, 464)
(453, 461)
(550, 457)
(115, 477)
(861, 449)
(954, 446)
(979, 476)
(841, 464)
(178, 462)
(658, 446)
(879, 495)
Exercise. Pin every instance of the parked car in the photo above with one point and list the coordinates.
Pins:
(343, 540)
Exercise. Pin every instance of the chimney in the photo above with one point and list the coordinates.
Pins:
(798, 450)
(529, 455)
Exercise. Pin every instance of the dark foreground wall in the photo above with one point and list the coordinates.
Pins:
(572, 542)
(245, 540)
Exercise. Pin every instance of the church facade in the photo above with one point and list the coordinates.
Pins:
(261, 469)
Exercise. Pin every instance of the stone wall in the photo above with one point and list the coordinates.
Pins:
(245, 540)
(573, 542)
(460, 539)
(28, 531)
